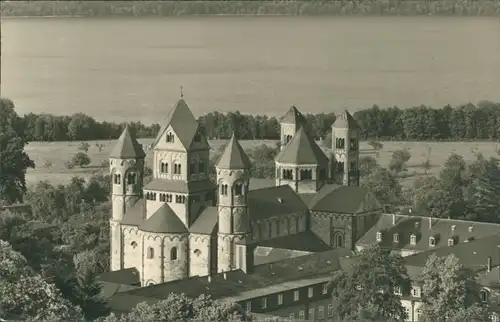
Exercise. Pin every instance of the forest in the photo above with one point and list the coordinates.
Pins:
(276, 7)
(467, 122)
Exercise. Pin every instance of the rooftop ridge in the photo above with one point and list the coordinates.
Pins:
(441, 219)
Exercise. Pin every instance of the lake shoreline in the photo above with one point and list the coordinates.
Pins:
(78, 9)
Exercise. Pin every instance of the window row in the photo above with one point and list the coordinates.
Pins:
(194, 167)
(131, 178)
(353, 144)
(237, 188)
(312, 316)
(164, 168)
(413, 239)
(279, 297)
(165, 197)
(304, 174)
(150, 253)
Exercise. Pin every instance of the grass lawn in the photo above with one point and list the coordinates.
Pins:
(50, 157)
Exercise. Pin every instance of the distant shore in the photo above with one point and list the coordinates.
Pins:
(28, 9)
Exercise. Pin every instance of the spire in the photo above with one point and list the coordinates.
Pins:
(127, 146)
(293, 116)
(345, 121)
(234, 157)
(302, 150)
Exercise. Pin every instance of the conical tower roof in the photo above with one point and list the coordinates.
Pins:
(234, 157)
(345, 121)
(293, 116)
(302, 150)
(127, 147)
(183, 123)
(164, 221)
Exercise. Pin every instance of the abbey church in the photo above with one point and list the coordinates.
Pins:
(184, 223)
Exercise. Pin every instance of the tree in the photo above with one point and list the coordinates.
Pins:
(485, 189)
(84, 146)
(26, 295)
(372, 281)
(179, 307)
(450, 290)
(367, 165)
(80, 159)
(399, 159)
(13, 159)
(384, 185)
(426, 164)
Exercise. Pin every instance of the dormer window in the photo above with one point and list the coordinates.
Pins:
(451, 241)
(432, 241)
(413, 239)
(415, 291)
(471, 228)
(379, 236)
(170, 137)
(397, 290)
(395, 238)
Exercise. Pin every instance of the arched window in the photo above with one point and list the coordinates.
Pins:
(170, 137)
(151, 252)
(164, 167)
(197, 252)
(201, 166)
(133, 244)
(339, 241)
(177, 168)
(223, 189)
(340, 167)
(238, 189)
(131, 178)
(173, 254)
(151, 284)
(287, 174)
(117, 178)
(288, 139)
(192, 167)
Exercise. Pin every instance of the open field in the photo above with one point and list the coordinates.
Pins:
(50, 156)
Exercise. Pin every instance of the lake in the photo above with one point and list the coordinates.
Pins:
(132, 68)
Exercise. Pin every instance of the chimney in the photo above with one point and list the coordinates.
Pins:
(417, 224)
(393, 219)
(210, 278)
(224, 274)
(471, 228)
(489, 264)
(430, 223)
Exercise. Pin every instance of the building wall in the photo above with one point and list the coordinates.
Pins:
(278, 226)
(328, 227)
(132, 247)
(199, 255)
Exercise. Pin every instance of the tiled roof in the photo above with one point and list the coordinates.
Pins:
(127, 147)
(473, 255)
(302, 150)
(344, 199)
(233, 156)
(127, 276)
(441, 229)
(274, 201)
(304, 241)
(345, 121)
(135, 215)
(183, 123)
(124, 302)
(206, 223)
(164, 220)
(293, 116)
(110, 289)
(258, 183)
(180, 186)
(268, 255)
(236, 282)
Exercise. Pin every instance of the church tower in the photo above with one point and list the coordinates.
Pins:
(126, 168)
(345, 148)
(233, 178)
(290, 124)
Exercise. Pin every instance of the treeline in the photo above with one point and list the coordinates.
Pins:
(289, 8)
(422, 123)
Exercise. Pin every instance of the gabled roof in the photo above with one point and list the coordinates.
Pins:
(164, 220)
(304, 241)
(127, 147)
(183, 123)
(423, 228)
(302, 150)
(234, 157)
(127, 276)
(293, 116)
(473, 255)
(274, 201)
(344, 199)
(345, 121)
(206, 223)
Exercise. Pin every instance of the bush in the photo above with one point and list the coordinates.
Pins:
(81, 159)
(84, 146)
